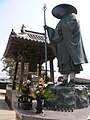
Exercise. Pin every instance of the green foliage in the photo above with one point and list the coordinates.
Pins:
(44, 92)
(49, 96)
(9, 68)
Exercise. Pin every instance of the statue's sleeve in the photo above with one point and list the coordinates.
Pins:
(50, 32)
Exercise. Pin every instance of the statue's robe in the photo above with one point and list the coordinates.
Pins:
(66, 41)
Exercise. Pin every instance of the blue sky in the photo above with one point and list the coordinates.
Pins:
(14, 13)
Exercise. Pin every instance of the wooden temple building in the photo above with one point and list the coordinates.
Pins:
(28, 47)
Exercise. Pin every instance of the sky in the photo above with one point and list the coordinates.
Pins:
(14, 13)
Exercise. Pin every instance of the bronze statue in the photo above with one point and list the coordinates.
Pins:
(66, 42)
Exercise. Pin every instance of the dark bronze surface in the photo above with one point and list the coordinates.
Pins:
(63, 9)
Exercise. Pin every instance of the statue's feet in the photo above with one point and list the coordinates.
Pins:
(64, 83)
(71, 83)
(68, 84)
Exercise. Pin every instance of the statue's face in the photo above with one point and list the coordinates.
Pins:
(63, 12)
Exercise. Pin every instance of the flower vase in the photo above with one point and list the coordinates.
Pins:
(40, 105)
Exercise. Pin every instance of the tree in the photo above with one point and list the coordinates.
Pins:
(8, 66)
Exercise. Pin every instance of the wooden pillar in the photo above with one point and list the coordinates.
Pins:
(39, 70)
(15, 74)
(29, 73)
(22, 72)
(51, 70)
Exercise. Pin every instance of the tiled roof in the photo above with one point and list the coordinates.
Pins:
(30, 43)
(33, 36)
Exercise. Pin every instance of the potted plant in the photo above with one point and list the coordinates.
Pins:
(25, 89)
(24, 99)
(42, 92)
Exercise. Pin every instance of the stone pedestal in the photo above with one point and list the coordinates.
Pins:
(66, 97)
(81, 96)
(11, 98)
(69, 98)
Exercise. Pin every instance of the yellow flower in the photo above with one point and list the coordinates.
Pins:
(33, 95)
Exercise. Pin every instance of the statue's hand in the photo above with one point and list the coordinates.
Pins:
(45, 27)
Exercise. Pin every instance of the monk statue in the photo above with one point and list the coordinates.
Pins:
(66, 42)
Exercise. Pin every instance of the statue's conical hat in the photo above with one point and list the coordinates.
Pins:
(63, 9)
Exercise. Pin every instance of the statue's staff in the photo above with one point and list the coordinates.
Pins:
(44, 8)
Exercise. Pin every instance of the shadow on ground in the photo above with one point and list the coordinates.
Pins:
(3, 104)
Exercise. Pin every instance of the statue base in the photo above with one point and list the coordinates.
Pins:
(69, 98)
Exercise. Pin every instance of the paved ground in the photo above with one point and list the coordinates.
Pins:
(80, 114)
(5, 112)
